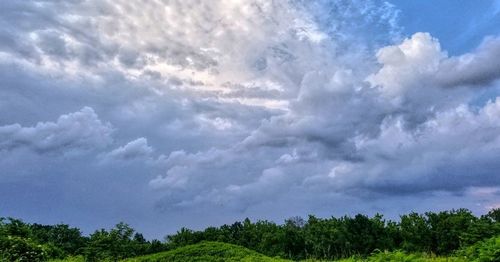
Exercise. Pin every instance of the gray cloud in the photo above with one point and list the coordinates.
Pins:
(333, 123)
(479, 68)
(81, 130)
(253, 108)
(138, 148)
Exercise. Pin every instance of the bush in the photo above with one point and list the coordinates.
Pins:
(79, 258)
(14, 248)
(485, 251)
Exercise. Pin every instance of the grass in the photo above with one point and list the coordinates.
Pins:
(207, 252)
(403, 257)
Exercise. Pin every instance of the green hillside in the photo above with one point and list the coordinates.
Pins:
(207, 252)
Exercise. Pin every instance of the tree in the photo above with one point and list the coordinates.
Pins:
(447, 227)
(494, 215)
(415, 233)
(183, 237)
(294, 239)
(69, 240)
(113, 245)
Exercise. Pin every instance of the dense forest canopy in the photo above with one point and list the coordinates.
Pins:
(440, 233)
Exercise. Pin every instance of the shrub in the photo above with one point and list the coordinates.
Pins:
(484, 251)
(14, 248)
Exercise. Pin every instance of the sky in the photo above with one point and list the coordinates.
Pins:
(189, 113)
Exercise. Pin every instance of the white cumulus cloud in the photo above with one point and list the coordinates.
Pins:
(82, 130)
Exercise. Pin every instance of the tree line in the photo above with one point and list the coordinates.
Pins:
(20, 241)
(440, 233)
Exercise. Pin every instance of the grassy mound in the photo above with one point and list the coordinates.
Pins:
(207, 252)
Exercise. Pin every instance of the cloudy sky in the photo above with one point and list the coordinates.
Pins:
(175, 113)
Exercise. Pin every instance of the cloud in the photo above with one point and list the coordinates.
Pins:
(451, 152)
(391, 132)
(138, 148)
(239, 197)
(222, 44)
(404, 65)
(479, 68)
(421, 57)
(80, 131)
(234, 108)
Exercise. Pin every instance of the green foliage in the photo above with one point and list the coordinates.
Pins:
(68, 240)
(494, 215)
(484, 251)
(362, 238)
(482, 228)
(207, 252)
(446, 229)
(53, 241)
(415, 233)
(119, 243)
(20, 241)
(13, 248)
(333, 238)
(412, 257)
(78, 258)
(14, 227)
(444, 232)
